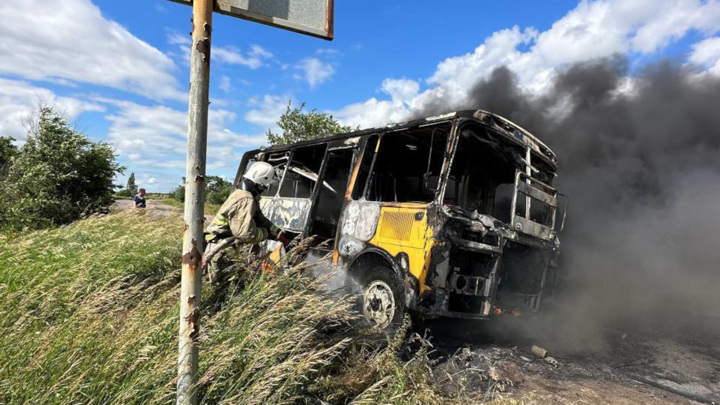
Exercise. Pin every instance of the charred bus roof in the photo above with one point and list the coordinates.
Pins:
(503, 126)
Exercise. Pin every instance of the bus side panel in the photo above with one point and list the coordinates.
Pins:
(287, 213)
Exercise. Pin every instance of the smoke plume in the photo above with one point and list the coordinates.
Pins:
(639, 158)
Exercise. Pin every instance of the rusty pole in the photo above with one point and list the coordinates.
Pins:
(191, 280)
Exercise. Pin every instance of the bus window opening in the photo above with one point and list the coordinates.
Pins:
(407, 166)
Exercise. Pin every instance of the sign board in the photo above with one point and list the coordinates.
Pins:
(311, 17)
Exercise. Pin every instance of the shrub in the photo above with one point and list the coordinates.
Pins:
(7, 151)
(178, 194)
(217, 197)
(217, 190)
(123, 193)
(58, 176)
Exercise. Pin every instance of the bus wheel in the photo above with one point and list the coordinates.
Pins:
(382, 304)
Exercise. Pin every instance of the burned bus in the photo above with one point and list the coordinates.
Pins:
(447, 216)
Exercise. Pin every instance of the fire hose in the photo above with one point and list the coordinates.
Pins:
(219, 246)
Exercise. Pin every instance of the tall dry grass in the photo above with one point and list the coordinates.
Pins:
(88, 315)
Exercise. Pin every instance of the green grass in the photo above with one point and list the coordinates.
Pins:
(209, 208)
(89, 316)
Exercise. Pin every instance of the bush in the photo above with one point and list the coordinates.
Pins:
(178, 194)
(7, 151)
(217, 190)
(58, 176)
(217, 197)
(124, 193)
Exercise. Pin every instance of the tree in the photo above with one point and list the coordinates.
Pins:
(217, 190)
(58, 176)
(178, 193)
(298, 126)
(132, 188)
(7, 151)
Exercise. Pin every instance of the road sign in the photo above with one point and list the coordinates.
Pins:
(311, 17)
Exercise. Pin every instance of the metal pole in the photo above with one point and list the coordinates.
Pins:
(528, 172)
(191, 280)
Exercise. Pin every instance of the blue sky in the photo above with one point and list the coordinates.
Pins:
(119, 69)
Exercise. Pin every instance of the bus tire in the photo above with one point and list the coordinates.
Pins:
(381, 300)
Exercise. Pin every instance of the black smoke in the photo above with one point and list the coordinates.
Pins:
(642, 170)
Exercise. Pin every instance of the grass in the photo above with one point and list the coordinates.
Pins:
(209, 208)
(89, 316)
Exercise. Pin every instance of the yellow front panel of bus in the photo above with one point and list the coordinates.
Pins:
(403, 228)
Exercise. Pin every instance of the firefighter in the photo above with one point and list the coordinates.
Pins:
(239, 218)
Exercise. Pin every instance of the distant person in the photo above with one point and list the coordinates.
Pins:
(139, 199)
(239, 218)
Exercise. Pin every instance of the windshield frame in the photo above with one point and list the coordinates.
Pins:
(526, 145)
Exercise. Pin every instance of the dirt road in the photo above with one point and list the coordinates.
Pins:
(121, 205)
(156, 208)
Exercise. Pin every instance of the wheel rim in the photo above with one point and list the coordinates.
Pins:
(379, 304)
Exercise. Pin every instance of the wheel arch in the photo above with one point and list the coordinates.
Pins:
(371, 257)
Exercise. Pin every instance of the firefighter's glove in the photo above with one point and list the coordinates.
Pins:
(274, 231)
(281, 238)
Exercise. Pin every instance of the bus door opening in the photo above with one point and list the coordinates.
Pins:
(331, 196)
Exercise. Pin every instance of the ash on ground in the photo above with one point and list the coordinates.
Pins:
(478, 362)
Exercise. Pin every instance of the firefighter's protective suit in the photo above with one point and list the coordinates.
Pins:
(240, 218)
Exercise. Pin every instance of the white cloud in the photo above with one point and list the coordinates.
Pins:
(148, 136)
(180, 50)
(161, 130)
(371, 113)
(327, 51)
(403, 90)
(314, 71)
(225, 84)
(669, 21)
(706, 53)
(176, 38)
(455, 74)
(71, 40)
(594, 29)
(19, 100)
(374, 112)
(254, 59)
(153, 139)
(259, 52)
(153, 179)
(266, 110)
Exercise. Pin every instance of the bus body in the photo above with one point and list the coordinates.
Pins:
(455, 213)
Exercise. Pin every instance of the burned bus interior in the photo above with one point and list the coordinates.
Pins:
(498, 264)
(407, 165)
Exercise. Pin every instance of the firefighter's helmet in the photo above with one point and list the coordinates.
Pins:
(262, 174)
